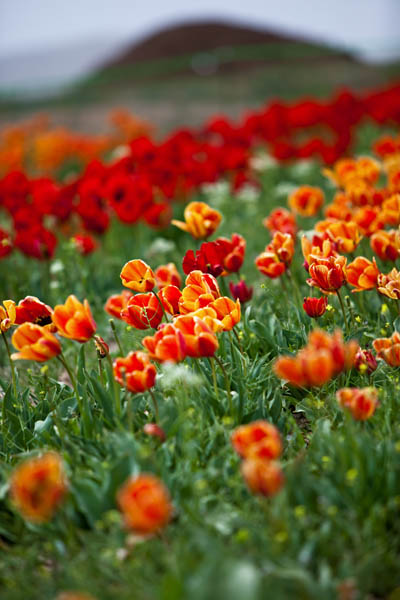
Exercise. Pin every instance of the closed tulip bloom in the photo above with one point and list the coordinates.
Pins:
(154, 430)
(227, 311)
(167, 275)
(361, 402)
(200, 220)
(116, 303)
(388, 349)
(269, 264)
(241, 291)
(280, 219)
(248, 437)
(135, 372)
(200, 290)
(166, 345)
(32, 310)
(74, 320)
(306, 200)
(362, 274)
(386, 244)
(199, 338)
(328, 274)
(389, 285)
(264, 477)
(7, 315)
(145, 504)
(34, 342)
(169, 297)
(345, 234)
(138, 276)
(143, 311)
(315, 307)
(38, 486)
(233, 252)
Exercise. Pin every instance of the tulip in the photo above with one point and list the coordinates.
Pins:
(388, 349)
(116, 303)
(262, 477)
(200, 290)
(389, 285)
(154, 430)
(138, 276)
(386, 244)
(167, 275)
(74, 320)
(7, 315)
(227, 312)
(143, 311)
(362, 274)
(365, 361)
(361, 402)
(145, 504)
(282, 245)
(135, 372)
(315, 307)
(32, 310)
(200, 340)
(280, 219)
(269, 264)
(34, 343)
(200, 220)
(344, 234)
(329, 274)
(240, 291)
(169, 297)
(246, 439)
(166, 345)
(38, 486)
(306, 200)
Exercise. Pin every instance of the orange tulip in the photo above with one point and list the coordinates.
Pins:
(318, 247)
(143, 311)
(227, 312)
(306, 200)
(315, 307)
(200, 290)
(32, 310)
(328, 274)
(138, 276)
(74, 320)
(282, 245)
(135, 372)
(116, 303)
(280, 219)
(391, 210)
(209, 316)
(264, 477)
(323, 357)
(199, 338)
(166, 345)
(388, 349)
(169, 296)
(339, 209)
(389, 285)
(368, 219)
(361, 402)
(362, 274)
(233, 252)
(255, 438)
(200, 220)
(34, 343)
(386, 244)
(269, 264)
(167, 275)
(145, 504)
(345, 235)
(38, 486)
(7, 315)
(348, 170)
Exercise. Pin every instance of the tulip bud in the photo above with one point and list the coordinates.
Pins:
(365, 361)
(315, 307)
(101, 346)
(241, 291)
(154, 430)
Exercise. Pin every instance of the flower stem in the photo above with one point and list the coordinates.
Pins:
(161, 304)
(227, 384)
(343, 311)
(155, 404)
(12, 366)
(64, 363)
(214, 376)
(114, 330)
(117, 398)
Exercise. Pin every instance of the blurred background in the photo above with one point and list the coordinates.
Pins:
(178, 62)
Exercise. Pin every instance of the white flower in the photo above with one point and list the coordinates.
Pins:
(173, 375)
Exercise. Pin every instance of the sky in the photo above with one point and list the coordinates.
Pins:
(31, 29)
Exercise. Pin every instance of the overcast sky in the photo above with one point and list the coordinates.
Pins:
(370, 27)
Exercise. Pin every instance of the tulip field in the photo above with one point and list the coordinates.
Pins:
(199, 368)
